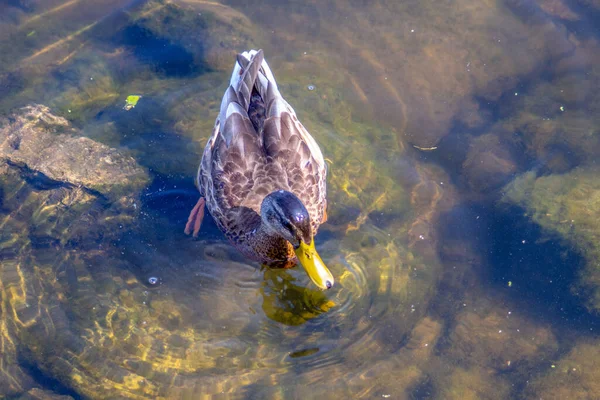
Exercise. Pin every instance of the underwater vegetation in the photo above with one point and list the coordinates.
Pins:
(429, 114)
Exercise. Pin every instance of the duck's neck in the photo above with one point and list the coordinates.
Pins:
(268, 247)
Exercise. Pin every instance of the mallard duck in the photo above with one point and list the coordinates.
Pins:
(262, 175)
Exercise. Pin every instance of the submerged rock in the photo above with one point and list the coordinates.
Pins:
(57, 192)
(489, 164)
(498, 338)
(47, 150)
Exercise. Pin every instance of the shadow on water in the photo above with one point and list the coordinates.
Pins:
(534, 269)
(48, 382)
(147, 132)
(165, 206)
(588, 24)
(542, 269)
(25, 6)
(165, 57)
(169, 199)
(425, 389)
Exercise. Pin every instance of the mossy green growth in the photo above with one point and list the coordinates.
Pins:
(567, 204)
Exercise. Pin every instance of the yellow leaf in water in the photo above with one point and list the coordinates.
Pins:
(131, 101)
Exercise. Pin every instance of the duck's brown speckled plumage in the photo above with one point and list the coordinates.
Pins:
(258, 146)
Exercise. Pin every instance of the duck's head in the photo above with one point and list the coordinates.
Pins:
(284, 214)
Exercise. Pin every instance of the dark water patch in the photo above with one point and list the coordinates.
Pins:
(147, 131)
(527, 10)
(424, 389)
(171, 196)
(11, 83)
(589, 24)
(500, 254)
(37, 179)
(46, 381)
(3, 210)
(501, 248)
(23, 5)
(459, 231)
(536, 269)
(162, 151)
(44, 241)
(158, 234)
(383, 219)
(165, 57)
(149, 114)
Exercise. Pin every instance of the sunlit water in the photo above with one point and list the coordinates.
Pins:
(461, 139)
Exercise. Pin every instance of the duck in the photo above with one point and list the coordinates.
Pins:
(262, 176)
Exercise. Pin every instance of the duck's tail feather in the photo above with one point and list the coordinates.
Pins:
(241, 82)
(247, 76)
(251, 70)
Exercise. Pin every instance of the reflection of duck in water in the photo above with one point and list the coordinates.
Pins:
(262, 175)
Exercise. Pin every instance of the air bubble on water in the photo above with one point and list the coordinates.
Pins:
(153, 280)
(311, 87)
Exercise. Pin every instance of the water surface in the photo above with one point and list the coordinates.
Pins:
(461, 139)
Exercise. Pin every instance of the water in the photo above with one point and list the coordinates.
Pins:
(461, 139)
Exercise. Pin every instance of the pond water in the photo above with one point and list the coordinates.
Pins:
(463, 200)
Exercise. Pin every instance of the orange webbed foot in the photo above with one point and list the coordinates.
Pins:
(195, 219)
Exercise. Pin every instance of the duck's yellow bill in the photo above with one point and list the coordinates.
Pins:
(314, 266)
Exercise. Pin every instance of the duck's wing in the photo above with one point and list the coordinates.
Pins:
(234, 150)
(287, 143)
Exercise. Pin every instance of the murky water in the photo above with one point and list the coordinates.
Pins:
(461, 139)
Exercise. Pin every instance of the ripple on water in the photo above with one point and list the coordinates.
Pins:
(211, 312)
